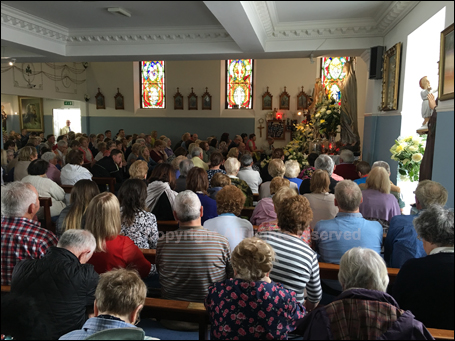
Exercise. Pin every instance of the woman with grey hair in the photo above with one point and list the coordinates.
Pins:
(425, 285)
(362, 304)
(52, 172)
(292, 172)
(323, 162)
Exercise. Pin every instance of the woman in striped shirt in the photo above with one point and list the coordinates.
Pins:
(296, 264)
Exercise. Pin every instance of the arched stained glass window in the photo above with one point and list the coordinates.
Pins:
(239, 78)
(331, 74)
(153, 85)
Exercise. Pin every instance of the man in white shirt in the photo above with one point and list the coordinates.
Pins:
(250, 176)
(66, 129)
(268, 146)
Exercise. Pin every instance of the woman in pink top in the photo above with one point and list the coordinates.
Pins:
(113, 250)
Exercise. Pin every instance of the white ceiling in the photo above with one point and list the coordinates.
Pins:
(193, 30)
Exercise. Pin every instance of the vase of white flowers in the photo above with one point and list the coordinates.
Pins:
(408, 152)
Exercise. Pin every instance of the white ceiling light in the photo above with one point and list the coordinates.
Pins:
(12, 62)
(119, 10)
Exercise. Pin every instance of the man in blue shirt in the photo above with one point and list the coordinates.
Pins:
(401, 242)
(348, 229)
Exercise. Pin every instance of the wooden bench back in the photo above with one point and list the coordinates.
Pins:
(167, 225)
(247, 212)
(106, 181)
(67, 188)
(46, 203)
(330, 271)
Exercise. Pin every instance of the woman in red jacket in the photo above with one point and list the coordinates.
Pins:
(112, 249)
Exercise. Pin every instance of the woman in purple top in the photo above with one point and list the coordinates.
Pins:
(197, 181)
(251, 306)
(378, 203)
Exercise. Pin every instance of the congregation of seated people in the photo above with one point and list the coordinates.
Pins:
(248, 236)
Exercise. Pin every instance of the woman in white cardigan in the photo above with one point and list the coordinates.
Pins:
(45, 187)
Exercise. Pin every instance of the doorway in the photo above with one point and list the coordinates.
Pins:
(60, 116)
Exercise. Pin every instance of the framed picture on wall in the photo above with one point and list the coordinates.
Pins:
(276, 129)
(284, 100)
(100, 103)
(206, 100)
(31, 113)
(391, 78)
(178, 100)
(267, 100)
(302, 100)
(192, 101)
(119, 102)
(446, 65)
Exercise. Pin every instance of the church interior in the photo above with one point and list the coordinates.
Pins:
(86, 60)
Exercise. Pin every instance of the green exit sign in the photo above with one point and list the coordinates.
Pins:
(68, 103)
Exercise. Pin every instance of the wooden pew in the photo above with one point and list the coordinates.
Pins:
(196, 313)
(46, 203)
(247, 212)
(330, 271)
(441, 334)
(105, 181)
(150, 255)
(178, 311)
(255, 196)
(67, 188)
(167, 225)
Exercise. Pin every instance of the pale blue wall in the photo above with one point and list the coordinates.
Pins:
(380, 133)
(171, 127)
(443, 162)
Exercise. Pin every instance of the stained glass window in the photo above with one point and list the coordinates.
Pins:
(332, 73)
(152, 84)
(239, 88)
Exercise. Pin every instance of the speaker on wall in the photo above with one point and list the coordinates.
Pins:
(376, 54)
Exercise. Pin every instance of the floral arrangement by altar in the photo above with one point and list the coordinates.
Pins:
(293, 151)
(327, 117)
(408, 152)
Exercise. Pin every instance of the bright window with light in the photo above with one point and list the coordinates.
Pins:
(153, 94)
(239, 87)
(331, 74)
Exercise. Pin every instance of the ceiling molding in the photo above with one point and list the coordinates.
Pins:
(386, 20)
(394, 14)
(28, 23)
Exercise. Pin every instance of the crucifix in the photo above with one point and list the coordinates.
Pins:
(260, 127)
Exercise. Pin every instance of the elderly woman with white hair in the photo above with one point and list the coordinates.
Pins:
(425, 285)
(232, 167)
(326, 163)
(276, 169)
(52, 172)
(292, 172)
(364, 311)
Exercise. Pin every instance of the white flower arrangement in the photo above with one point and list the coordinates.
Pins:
(408, 152)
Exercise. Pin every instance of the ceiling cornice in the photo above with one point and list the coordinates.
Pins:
(27, 23)
(31, 24)
(346, 28)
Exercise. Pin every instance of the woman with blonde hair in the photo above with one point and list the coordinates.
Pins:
(138, 170)
(26, 155)
(322, 203)
(233, 152)
(276, 168)
(263, 309)
(113, 250)
(378, 204)
(73, 216)
(289, 246)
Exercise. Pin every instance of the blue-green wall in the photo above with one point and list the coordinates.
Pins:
(171, 127)
(380, 133)
(443, 161)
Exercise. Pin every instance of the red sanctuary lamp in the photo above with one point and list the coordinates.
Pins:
(279, 116)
